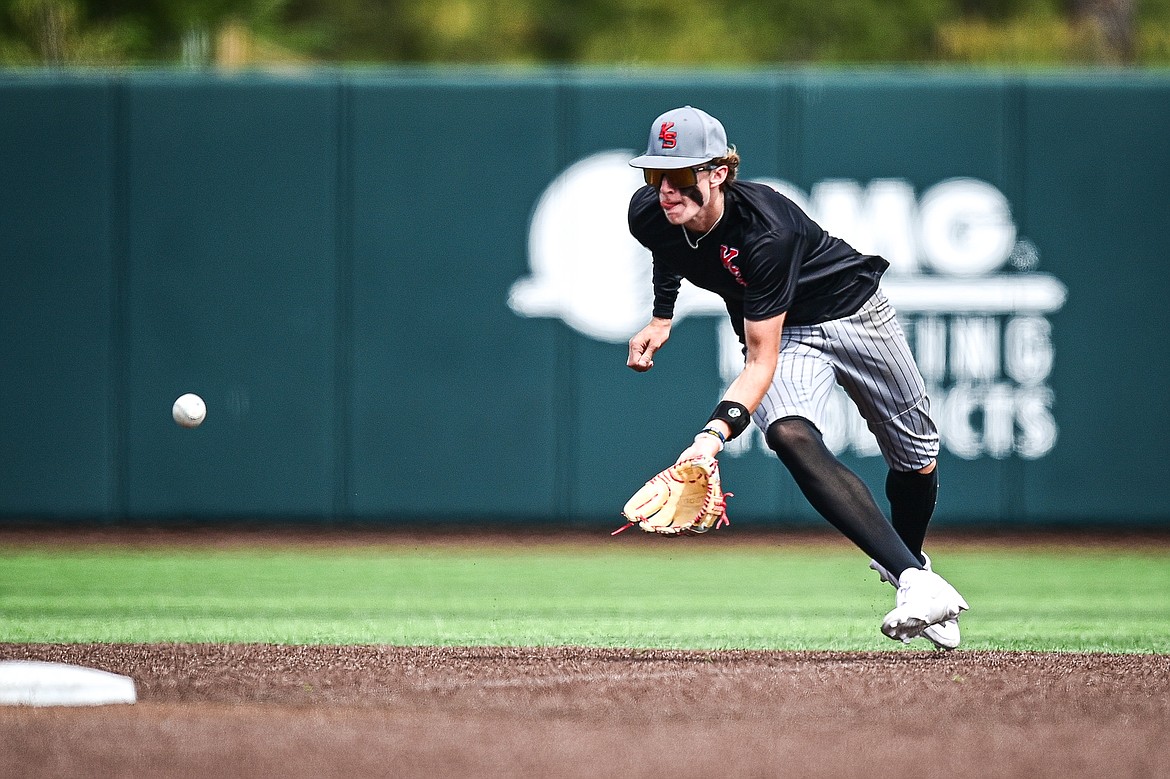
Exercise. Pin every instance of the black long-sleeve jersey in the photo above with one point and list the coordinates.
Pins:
(765, 257)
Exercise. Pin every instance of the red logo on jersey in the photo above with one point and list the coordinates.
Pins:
(668, 136)
(728, 255)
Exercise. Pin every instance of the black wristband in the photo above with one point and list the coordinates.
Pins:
(734, 414)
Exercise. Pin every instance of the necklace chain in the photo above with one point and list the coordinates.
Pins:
(687, 236)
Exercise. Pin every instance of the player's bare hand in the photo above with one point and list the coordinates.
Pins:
(647, 341)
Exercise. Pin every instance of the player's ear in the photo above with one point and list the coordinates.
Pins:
(719, 175)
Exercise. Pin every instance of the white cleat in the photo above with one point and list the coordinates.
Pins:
(944, 635)
(924, 599)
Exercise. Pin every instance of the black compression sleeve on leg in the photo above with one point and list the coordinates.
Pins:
(912, 498)
(837, 493)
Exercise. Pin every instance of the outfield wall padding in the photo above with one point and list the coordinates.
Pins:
(404, 295)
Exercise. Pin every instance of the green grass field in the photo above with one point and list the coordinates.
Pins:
(675, 594)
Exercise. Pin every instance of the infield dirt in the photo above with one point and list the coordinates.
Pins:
(327, 711)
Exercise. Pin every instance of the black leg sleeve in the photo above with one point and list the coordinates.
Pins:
(912, 498)
(837, 493)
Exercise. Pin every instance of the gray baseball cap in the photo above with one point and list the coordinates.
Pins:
(683, 138)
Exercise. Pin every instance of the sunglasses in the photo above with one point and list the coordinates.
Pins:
(681, 178)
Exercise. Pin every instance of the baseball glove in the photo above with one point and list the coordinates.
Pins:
(686, 498)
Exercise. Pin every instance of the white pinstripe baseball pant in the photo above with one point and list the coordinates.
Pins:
(867, 354)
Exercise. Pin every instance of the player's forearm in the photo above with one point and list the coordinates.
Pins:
(661, 322)
(733, 413)
(752, 384)
(763, 349)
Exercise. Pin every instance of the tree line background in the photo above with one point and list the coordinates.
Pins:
(716, 33)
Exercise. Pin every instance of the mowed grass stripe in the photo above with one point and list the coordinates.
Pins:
(670, 595)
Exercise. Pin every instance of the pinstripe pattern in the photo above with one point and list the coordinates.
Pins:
(867, 354)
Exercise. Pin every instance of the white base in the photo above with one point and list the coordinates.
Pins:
(36, 683)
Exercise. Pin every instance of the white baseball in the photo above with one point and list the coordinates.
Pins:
(189, 410)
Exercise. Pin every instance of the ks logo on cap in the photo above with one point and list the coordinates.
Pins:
(668, 136)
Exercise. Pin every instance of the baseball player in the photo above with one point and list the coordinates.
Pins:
(809, 311)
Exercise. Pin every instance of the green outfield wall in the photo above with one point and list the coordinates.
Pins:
(405, 295)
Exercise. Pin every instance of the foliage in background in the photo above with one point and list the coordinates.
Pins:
(235, 33)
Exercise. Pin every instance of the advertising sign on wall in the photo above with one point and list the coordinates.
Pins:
(967, 285)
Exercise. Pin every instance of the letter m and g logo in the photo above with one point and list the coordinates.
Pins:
(667, 135)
